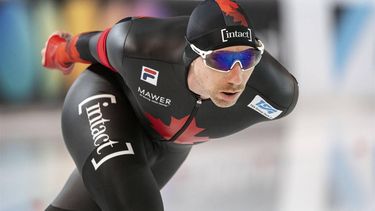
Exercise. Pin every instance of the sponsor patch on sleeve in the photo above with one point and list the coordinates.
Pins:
(261, 106)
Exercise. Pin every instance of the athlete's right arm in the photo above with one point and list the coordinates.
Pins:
(106, 47)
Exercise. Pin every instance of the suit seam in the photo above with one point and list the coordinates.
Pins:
(126, 38)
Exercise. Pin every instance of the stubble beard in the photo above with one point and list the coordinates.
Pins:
(215, 98)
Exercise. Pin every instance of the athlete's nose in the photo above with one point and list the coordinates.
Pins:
(235, 75)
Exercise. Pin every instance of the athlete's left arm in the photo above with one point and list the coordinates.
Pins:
(277, 83)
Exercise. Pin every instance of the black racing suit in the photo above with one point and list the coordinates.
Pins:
(130, 120)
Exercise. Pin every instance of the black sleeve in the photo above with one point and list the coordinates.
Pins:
(105, 47)
(274, 81)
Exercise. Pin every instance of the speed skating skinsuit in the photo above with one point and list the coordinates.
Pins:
(129, 120)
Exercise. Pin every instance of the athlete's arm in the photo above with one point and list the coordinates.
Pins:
(277, 83)
(63, 50)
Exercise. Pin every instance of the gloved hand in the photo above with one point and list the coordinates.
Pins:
(54, 53)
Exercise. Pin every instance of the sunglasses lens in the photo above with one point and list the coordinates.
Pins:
(249, 58)
(223, 60)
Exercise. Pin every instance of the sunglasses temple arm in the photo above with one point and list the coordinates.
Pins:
(261, 47)
(200, 52)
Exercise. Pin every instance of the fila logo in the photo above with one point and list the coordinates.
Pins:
(150, 75)
(264, 108)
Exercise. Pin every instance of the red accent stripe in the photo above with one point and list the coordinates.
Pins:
(102, 49)
(150, 71)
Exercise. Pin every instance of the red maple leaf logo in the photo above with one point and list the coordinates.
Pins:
(230, 9)
(167, 131)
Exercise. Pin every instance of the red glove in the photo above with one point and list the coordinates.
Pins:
(54, 53)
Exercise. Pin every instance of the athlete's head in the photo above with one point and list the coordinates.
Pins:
(222, 51)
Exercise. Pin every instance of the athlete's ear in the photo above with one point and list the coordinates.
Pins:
(193, 63)
(196, 60)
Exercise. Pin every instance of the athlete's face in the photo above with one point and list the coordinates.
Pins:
(223, 88)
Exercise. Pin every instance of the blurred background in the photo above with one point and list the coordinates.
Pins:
(321, 157)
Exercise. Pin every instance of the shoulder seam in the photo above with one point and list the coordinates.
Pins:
(126, 38)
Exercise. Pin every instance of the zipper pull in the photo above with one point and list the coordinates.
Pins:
(199, 101)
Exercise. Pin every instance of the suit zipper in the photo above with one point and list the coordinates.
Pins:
(198, 103)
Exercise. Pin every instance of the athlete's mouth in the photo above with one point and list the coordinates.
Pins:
(230, 93)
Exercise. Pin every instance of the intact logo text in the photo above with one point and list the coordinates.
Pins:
(226, 34)
(106, 148)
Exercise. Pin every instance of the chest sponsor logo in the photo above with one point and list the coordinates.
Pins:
(226, 34)
(150, 75)
(154, 98)
(106, 148)
(264, 108)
